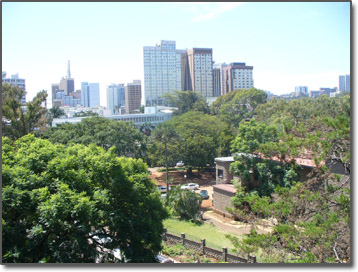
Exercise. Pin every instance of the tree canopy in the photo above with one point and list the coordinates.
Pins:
(187, 101)
(238, 105)
(18, 119)
(127, 140)
(202, 138)
(60, 204)
(312, 216)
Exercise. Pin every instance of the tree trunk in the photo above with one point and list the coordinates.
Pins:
(166, 170)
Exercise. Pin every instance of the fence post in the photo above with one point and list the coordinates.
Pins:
(183, 238)
(225, 254)
(203, 246)
(252, 259)
(165, 234)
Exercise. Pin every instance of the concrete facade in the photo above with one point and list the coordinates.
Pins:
(133, 94)
(237, 76)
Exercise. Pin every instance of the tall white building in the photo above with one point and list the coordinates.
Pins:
(200, 65)
(345, 83)
(14, 80)
(116, 98)
(162, 71)
(90, 94)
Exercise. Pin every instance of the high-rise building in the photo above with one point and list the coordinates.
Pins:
(162, 71)
(90, 94)
(200, 73)
(116, 97)
(301, 91)
(237, 76)
(345, 83)
(133, 93)
(216, 80)
(67, 85)
(14, 80)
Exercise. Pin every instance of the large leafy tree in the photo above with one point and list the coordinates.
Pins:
(312, 218)
(201, 139)
(102, 132)
(165, 133)
(238, 105)
(187, 101)
(61, 204)
(18, 119)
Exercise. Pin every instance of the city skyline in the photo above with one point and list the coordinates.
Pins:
(288, 44)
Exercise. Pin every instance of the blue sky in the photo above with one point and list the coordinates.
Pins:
(289, 44)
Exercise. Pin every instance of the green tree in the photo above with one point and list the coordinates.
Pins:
(17, 119)
(185, 203)
(165, 133)
(238, 105)
(201, 140)
(54, 112)
(60, 202)
(103, 132)
(187, 101)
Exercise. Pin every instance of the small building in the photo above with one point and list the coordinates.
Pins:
(223, 175)
(222, 194)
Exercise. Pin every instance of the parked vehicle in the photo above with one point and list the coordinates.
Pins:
(190, 186)
(162, 189)
(180, 164)
(204, 194)
(163, 259)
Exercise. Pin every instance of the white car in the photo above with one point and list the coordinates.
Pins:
(162, 189)
(180, 164)
(190, 186)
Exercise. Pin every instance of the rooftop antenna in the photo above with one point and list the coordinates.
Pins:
(68, 70)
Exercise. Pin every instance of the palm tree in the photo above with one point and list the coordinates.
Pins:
(165, 133)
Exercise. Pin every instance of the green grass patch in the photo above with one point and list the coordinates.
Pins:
(214, 236)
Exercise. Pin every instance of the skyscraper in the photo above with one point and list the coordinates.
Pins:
(133, 93)
(90, 94)
(216, 80)
(162, 71)
(301, 91)
(345, 83)
(14, 80)
(115, 97)
(200, 64)
(237, 76)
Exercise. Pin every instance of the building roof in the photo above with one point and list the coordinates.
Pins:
(225, 159)
(226, 187)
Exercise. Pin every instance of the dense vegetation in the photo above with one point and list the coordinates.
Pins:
(312, 215)
(59, 204)
(71, 185)
(127, 140)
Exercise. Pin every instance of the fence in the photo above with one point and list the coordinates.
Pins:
(201, 247)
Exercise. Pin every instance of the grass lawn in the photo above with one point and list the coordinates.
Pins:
(214, 236)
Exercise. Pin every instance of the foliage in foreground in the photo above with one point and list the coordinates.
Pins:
(57, 199)
(312, 221)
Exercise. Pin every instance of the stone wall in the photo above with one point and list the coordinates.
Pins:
(222, 199)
